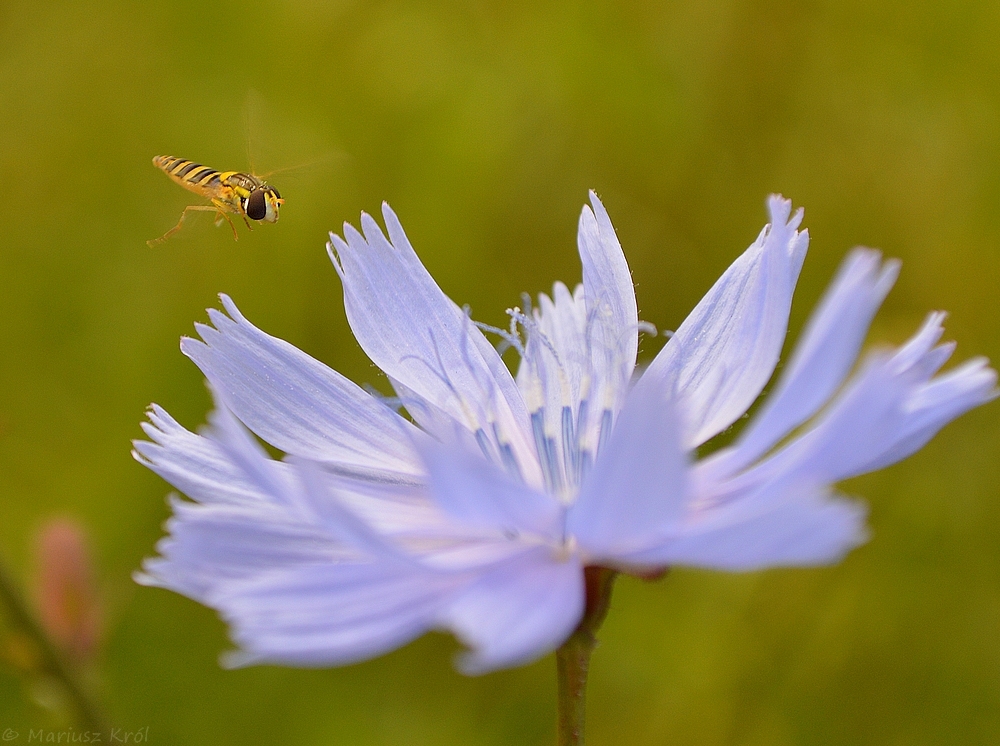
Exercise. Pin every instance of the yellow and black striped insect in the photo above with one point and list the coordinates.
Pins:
(230, 192)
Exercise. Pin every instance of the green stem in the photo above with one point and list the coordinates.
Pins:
(573, 656)
(51, 659)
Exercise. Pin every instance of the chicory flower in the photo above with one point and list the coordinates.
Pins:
(478, 512)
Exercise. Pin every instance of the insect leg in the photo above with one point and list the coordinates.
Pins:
(224, 209)
(172, 231)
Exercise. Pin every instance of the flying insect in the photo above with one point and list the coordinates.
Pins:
(230, 192)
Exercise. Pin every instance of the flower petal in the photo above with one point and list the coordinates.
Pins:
(252, 514)
(332, 614)
(888, 410)
(612, 317)
(823, 357)
(555, 369)
(727, 348)
(296, 403)
(192, 463)
(806, 527)
(931, 407)
(212, 546)
(521, 610)
(638, 488)
(225, 466)
(420, 338)
(476, 493)
(555, 358)
(399, 523)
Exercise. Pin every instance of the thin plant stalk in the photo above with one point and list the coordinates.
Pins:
(573, 657)
(52, 661)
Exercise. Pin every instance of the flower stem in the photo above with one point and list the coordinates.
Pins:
(573, 656)
(52, 661)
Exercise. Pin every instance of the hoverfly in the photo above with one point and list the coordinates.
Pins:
(230, 192)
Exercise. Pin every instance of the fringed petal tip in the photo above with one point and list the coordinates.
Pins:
(474, 663)
(600, 212)
(988, 377)
(780, 211)
(230, 660)
(144, 578)
(392, 225)
(233, 660)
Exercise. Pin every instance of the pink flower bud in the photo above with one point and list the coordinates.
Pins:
(64, 588)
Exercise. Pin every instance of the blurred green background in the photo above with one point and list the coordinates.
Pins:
(483, 124)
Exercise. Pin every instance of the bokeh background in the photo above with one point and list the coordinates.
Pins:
(484, 124)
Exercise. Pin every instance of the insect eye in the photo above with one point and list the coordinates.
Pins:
(255, 207)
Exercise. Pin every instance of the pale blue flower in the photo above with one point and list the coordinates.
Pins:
(478, 513)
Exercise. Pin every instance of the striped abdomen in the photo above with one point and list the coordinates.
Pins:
(190, 175)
